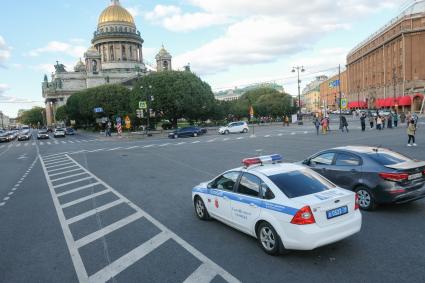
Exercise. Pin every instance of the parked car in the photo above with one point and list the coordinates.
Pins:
(185, 132)
(378, 175)
(24, 135)
(59, 132)
(69, 131)
(4, 137)
(234, 127)
(43, 134)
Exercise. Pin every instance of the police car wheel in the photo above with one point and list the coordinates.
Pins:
(226, 132)
(245, 131)
(269, 239)
(200, 209)
(366, 200)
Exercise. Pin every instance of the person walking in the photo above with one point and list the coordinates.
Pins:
(390, 120)
(108, 129)
(402, 117)
(395, 119)
(344, 123)
(316, 123)
(383, 122)
(411, 132)
(362, 122)
(286, 120)
(324, 123)
(379, 123)
(371, 121)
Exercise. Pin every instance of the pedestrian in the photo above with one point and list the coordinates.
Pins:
(363, 121)
(344, 123)
(328, 124)
(411, 132)
(395, 119)
(402, 117)
(379, 123)
(287, 120)
(383, 118)
(316, 123)
(371, 121)
(108, 129)
(390, 120)
(324, 123)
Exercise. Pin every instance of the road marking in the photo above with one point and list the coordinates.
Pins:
(240, 138)
(147, 146)
(305, 132)
(18, 145)
(9, 194)
(64, 172)
(78, 141)
(2, 203)
(41, 143)
(33, 143)
(1, 146)
(132, 147)
(226, 139)
(252, 136)
(134, 255)
(94, 211)
(70, 141)
(180, 143)
(77, 189)
(280, 134)
(26, 144)
(123, 262)
(204, 273)
(293, 133)
(6, 198)
(165, 144)
(57, 165)
(108, 229)
(115, 148)
(196, 142)
(71, 182)
(69, 176)
(211, 140)
(63, 141)
(80, 200)
(62, 168)
(56, 161)
(267, 136)
(48, 143)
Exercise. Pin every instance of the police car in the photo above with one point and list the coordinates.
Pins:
(285, 206)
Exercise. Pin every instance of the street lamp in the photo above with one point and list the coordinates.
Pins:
(149, 98)
(298, 69)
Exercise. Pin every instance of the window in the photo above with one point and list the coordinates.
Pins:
(388, 157)
(325, 158)
(249, 185)
(300, 183)
(344, 159)
(225, 182)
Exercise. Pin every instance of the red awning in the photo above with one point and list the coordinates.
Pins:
(418, 95)
(357, 104)
(404, 101)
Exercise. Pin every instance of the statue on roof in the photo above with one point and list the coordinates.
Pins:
(60, 68)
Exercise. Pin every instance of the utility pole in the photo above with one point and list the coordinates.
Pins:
(339, 90)
(299, 68)
(2, 126)
(394, 85)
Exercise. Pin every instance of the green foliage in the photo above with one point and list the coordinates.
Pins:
(266, 101)
(32, 116)
(61, 113)
(114, 99)
(177, 95)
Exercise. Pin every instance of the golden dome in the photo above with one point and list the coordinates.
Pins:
(116, 13)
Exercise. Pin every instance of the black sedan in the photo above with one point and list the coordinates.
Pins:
(24, 135)
(378, 175)
(186, 132)
(69, 131)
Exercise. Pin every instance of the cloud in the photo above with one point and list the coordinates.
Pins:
(5, 52)
(3, 88)
(134, 11)
(71, 48)
(50, 68)
(172, 18)
(11, 99)
(265, 31)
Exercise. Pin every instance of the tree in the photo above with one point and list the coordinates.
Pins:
(61, 114)
(176, 95)
(32, 116)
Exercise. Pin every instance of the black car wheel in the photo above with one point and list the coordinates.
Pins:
(226, 132)
(200, 209)
(366, 199)
(269, 240)
(176, 136)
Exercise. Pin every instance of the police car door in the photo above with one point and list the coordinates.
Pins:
(221, 190)
(246, 204)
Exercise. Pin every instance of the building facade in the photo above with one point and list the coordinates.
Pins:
(387, 70)
(4, 121)
(115, 57)
(329, 91)
(310, 96)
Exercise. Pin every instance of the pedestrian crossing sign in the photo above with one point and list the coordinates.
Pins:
(344, 103)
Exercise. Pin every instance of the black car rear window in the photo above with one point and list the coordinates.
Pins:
(300, 183)
(388, 158)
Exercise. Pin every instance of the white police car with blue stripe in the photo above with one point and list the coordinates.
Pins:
(285, 206)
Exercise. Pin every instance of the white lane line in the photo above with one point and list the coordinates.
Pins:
(58, 165)
(149, 145)
(196, 142)
(133, 147)
(94, 211)
(108, 229)
(267, 136)
(77, 201)
(62, 168)
(63, 141)
(123, 262)
(305, 132)
(165, 144)
(203, 274)
(56, 161)
(96, 150)
(50, 157)
(78, 141)
(9, 194)
(115, 148)
(6, 198)
(26, 144)
(226, 139)
(67, 177)
(14, 189)
(293, 133)
(18, 145)
(64, 172)
(180, 143)
(71, 182)
(70, 141)
(49, 143)
(240, 138)
(77, 189)
(2, 203)
(280, 134)
(211, 140)
(252, 136)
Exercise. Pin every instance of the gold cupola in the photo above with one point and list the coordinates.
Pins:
(115, 13)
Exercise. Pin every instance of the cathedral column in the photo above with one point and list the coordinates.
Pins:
(49, 118)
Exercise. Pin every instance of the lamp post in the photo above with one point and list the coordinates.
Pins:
(149, 98)
(298, 69)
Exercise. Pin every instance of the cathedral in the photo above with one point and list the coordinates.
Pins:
(115, 57)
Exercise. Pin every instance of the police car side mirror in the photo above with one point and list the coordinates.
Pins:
(306, 162)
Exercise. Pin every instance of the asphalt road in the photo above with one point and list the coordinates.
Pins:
(87, 207)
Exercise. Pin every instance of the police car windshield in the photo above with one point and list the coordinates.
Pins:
(300, 183)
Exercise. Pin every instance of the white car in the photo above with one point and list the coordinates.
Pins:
(59, 132)
(234, 127)
(285, 206)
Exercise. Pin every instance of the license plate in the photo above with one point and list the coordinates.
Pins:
(415, 176)
(336, 212)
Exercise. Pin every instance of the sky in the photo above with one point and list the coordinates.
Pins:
(228, 43)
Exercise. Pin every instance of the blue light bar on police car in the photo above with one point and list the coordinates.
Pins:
(274, 158)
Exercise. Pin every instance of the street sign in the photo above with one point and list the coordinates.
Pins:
(98, 110)
(143, 105)
(344, 103)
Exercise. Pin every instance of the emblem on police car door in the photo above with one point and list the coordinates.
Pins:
(216, 203)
